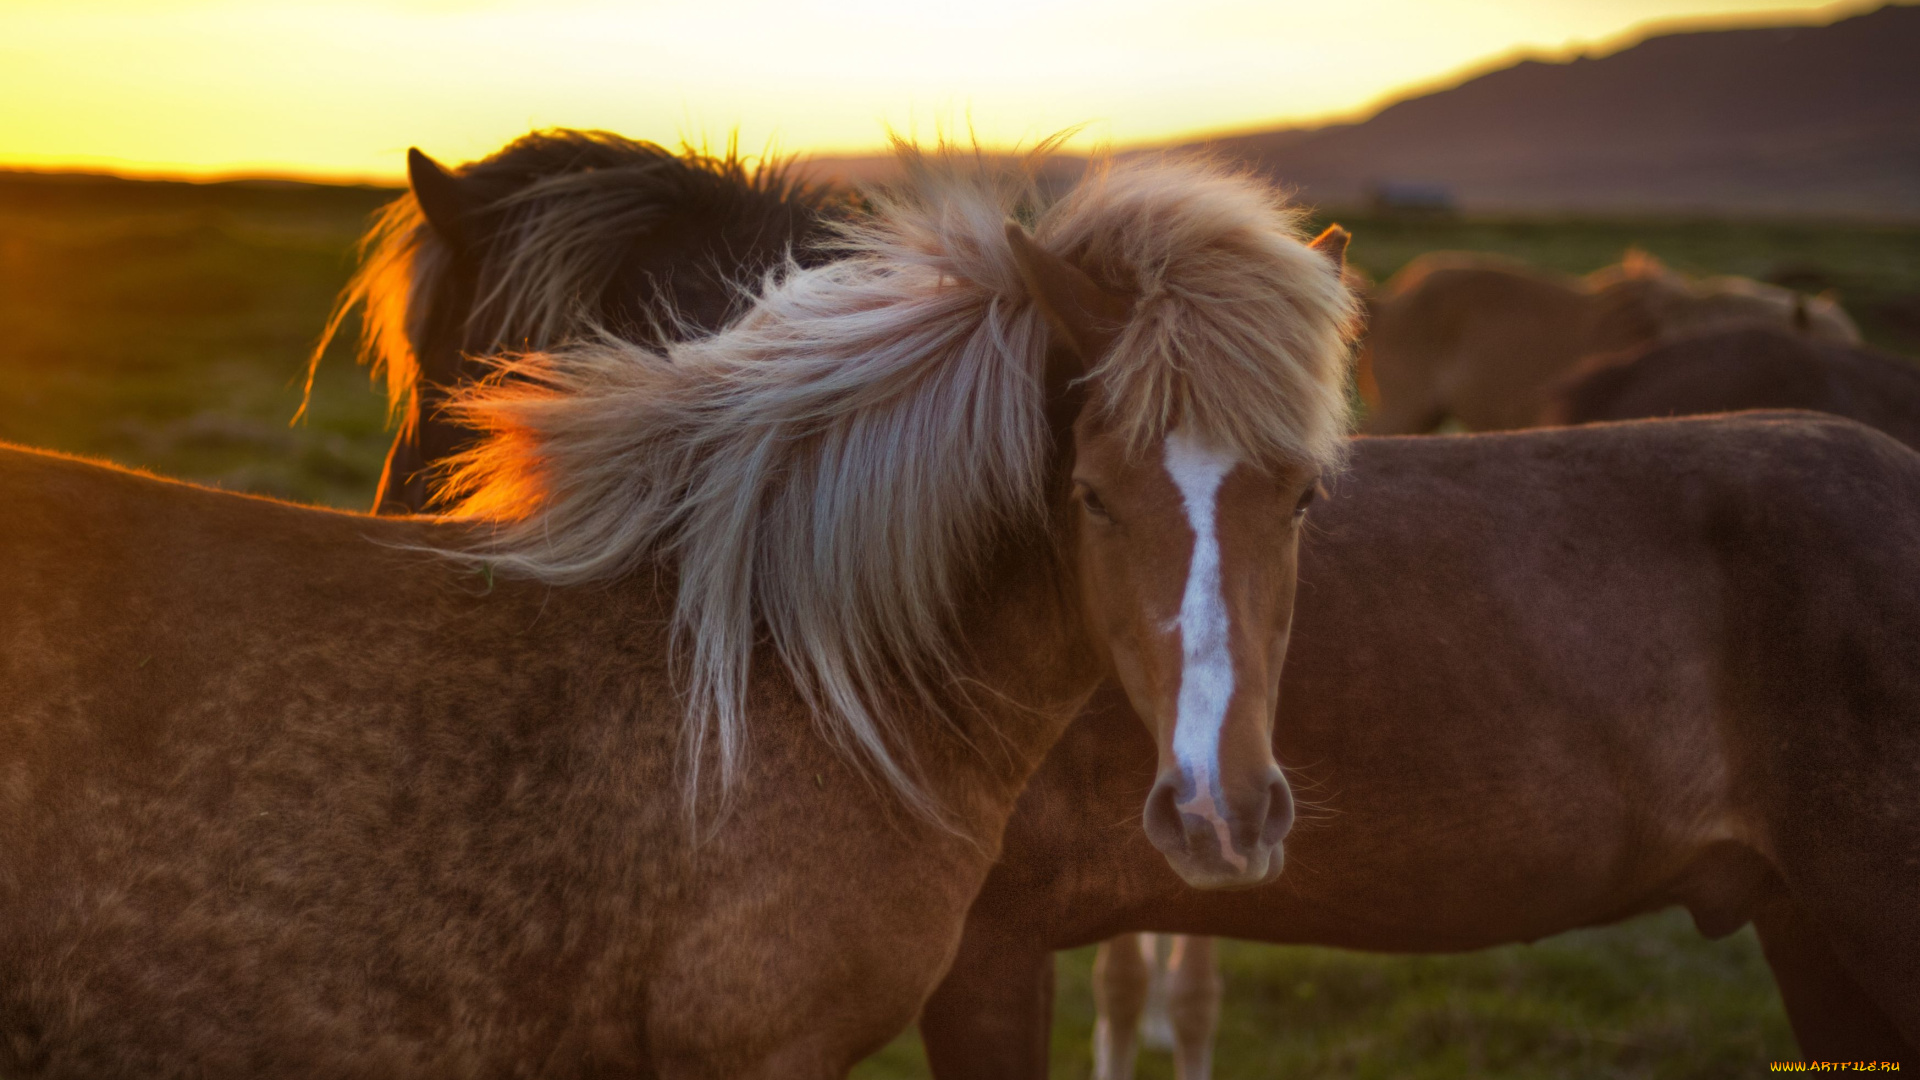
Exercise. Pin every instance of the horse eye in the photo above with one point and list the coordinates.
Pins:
(1091, 500)
(1306, 499)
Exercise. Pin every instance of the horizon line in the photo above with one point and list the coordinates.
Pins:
(104, 166)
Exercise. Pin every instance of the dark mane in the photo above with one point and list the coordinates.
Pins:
(563, 232)
(648, 243)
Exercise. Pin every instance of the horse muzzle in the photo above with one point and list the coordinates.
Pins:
(1217, 840)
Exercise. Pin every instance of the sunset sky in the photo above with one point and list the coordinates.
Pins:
(224, 87)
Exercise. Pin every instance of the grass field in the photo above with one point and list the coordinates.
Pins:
(166, 326)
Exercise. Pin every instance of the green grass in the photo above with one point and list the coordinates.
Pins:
(1649, 998)
(166, 326)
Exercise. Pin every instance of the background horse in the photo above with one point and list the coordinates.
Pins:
(1482, 340)
(1613, 669)
(560, 235)
(506, 820)
(1755, 367)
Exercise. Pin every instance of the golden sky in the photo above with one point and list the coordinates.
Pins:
(341, 89)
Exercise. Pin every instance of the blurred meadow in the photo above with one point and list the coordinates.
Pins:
(166, 326)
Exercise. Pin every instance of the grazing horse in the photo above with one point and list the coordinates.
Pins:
(1754, 367)
(558, 235)
(1612, 669)
(573, 782)
(1482, 339)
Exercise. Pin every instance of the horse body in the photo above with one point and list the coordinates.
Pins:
(1612, 670)
(381, 818)
(1748, 368)
(1483, 340)
(1465, 337)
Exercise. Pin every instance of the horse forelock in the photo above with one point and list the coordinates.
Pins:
(832, 469)
(1240, 331)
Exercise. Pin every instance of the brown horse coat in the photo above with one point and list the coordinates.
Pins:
(385, 818)
(1750, 368)
(1543, 681)
(1482, 339)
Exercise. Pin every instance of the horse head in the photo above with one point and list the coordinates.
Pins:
(1186, 551)
(559, 235)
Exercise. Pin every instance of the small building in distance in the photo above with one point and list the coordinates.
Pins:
(1411, 198)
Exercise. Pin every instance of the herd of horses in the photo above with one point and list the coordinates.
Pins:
(831, 606)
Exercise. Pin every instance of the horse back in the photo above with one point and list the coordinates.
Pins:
(241, 739)
(1746, 368)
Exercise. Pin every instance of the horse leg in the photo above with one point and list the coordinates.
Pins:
(992, 1016)
(1156, 1027)
(1122, 975)
(1194, 990)
(1833, 1018)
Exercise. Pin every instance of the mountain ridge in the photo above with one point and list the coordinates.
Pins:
(1799, 119)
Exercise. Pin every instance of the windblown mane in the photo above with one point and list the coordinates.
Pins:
(831, 469)
(566, 208)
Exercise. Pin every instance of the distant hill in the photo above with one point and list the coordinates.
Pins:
(1800, 120)
(1797, 120)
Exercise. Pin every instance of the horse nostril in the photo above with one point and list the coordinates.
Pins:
(1162, 819)
(1278, 821)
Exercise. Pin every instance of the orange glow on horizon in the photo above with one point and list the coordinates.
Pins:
(295, 88)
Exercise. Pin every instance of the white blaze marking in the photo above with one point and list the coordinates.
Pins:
(1206, 670)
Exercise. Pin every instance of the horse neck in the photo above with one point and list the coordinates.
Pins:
(1032, 668)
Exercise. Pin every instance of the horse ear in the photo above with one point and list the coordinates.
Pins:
(1333, 244)
(442, 200)
(1638, 262)
(1086, 317)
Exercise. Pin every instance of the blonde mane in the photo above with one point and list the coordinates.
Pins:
(829, 471)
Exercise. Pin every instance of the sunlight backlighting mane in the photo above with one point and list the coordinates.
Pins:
(831, 469)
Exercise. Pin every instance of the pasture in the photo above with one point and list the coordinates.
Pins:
(166, 325)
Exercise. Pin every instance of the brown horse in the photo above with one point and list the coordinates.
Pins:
(1195, 990)
(559, 234)
(303, 793)
(1784, 352)
(1481, 339)
(1612, 669)
(1751, 368)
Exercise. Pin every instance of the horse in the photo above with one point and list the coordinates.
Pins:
(1195, 990)
(1482, 339)
(1763, 347)
(1755, 367)
(559, 235)
(1612, 669)
(414, 322)
(410, 796)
